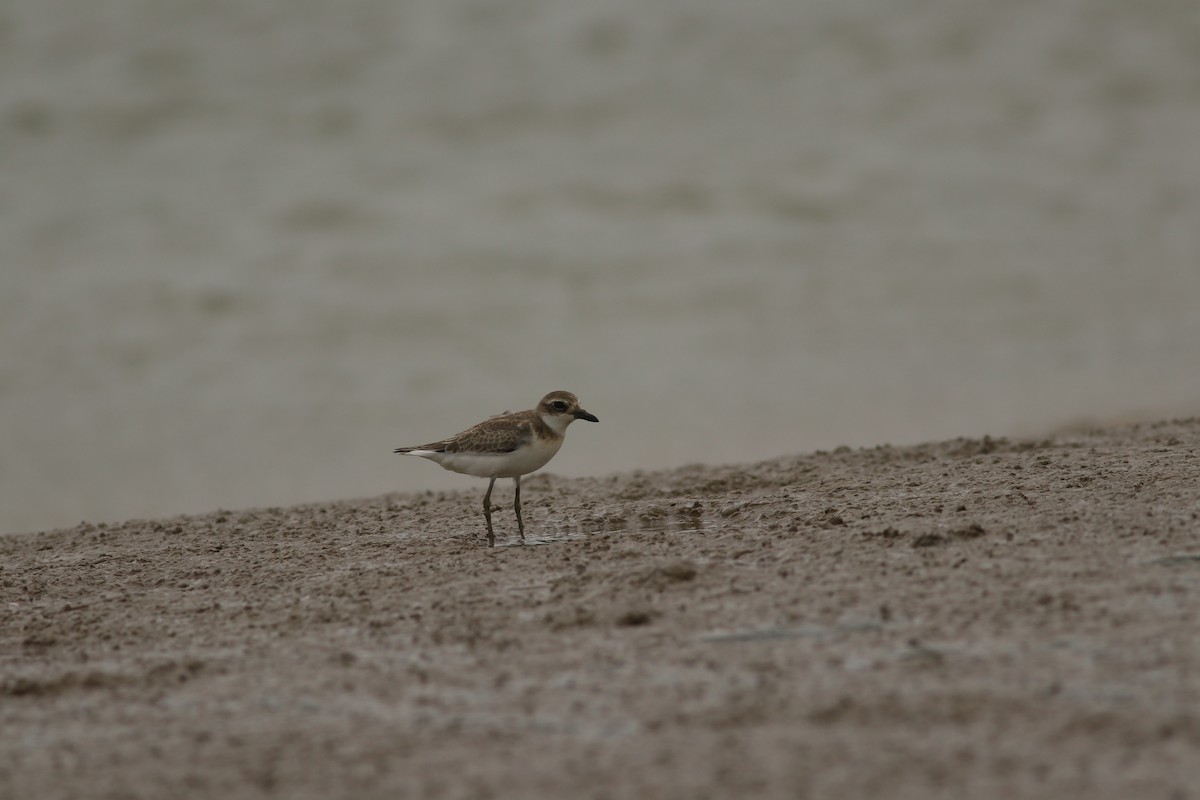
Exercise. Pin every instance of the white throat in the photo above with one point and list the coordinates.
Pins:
(557, 422)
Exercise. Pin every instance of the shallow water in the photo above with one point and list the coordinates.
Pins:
(247, 251)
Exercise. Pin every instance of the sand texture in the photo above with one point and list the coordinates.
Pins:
(987, 618)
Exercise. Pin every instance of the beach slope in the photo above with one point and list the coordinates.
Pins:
(977, 617)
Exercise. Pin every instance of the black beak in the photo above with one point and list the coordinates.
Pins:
(581, 414)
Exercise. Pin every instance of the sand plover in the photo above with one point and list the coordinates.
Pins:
(507, 445)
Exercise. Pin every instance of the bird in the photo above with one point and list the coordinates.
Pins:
(507, 445)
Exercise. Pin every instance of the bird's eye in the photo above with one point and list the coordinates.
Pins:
(559, 405)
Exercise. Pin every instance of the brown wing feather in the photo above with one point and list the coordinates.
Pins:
(501, 434)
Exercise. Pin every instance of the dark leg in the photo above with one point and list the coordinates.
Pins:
(517, 506)
(487, 513)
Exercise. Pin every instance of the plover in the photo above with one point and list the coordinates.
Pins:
(507, 445)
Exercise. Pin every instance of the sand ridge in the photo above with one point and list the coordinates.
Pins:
(982, 617)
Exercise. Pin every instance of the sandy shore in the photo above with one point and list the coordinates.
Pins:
(984, 618)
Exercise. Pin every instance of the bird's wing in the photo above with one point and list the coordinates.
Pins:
(501, 434)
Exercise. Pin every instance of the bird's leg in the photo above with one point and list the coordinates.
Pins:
(517, 506)
(487, 513)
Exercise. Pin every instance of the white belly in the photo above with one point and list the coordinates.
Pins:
(521, 461)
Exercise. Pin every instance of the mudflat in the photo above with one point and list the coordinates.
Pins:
(977, 617)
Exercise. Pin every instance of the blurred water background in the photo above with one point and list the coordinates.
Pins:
(247, 248)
